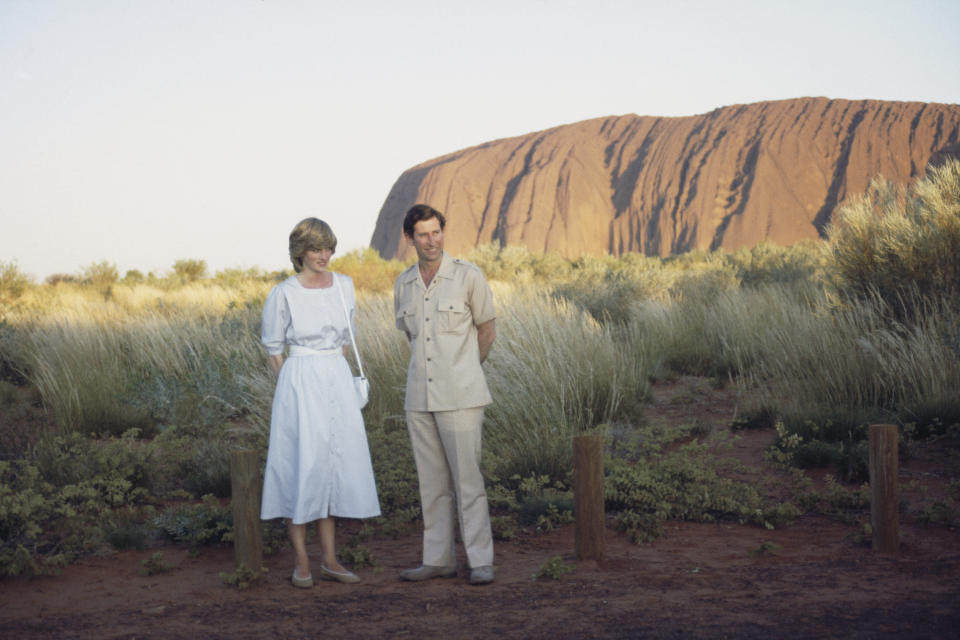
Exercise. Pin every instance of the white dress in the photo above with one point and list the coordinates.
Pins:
(318, 461)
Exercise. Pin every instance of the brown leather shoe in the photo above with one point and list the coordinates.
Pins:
(426, 572)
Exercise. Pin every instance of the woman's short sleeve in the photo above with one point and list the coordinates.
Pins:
(276, 319)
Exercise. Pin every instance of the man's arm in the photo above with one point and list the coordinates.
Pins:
(486, 333)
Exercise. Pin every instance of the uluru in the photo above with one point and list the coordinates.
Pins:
(731, 178)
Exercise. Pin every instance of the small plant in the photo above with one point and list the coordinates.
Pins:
(154, 564)
(836, 500)
(504, 527)
(816, 454)
(766, 548)
(640, 527)
(244, 577)
(554, 568)
(863, 536)
(763, 417)
(939, 512)
(356, 554)
(129, 535)
(197, 524)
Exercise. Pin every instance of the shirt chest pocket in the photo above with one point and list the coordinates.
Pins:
(407, 320)
(452, 315)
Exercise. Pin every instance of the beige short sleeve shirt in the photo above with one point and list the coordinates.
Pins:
(441, 320)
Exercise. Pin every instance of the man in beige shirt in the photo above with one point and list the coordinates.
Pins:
(445, 307)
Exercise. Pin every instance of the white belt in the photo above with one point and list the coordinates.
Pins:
(297, 351)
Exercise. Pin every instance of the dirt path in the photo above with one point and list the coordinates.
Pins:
(697, 580)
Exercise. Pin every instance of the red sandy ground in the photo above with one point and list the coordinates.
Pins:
(696, 581)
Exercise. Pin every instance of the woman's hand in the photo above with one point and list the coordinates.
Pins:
(275, 363)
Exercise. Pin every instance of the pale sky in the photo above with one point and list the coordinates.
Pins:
(145, 131)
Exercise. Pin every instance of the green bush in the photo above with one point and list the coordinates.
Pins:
(652, 479)
(554, 569)
(13, 283)
(100, 274)
(901, 245)
(197, 524)
(190, 270)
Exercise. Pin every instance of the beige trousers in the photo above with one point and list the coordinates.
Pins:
(446, 449)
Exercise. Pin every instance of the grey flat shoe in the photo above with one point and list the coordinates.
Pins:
(426, 572)
(481, 575)
(302, 583)
(347, 577)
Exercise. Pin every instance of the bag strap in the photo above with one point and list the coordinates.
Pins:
(346, 313)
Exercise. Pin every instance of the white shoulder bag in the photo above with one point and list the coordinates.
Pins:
(360, 383)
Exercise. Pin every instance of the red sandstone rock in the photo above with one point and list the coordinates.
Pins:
(739, 175)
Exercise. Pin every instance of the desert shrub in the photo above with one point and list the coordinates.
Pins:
(13, 283)
(898, 244)
(554, 569)
(610, 296)
(119, 466)
(853, 463)
(396, 475)
(133, 276)
(190, 270)
(55, 279)
(836, 500)
(154, 564)
(368, 270)
(760, 416)
(22, 423)
(816, 454)
(207, 470)
(100, 274)
(128, 535)
(236, 278)
(939, 512)
(356, 554)
(196, 524)
(766, 264)
(650, 479)
(62, 504)
(243, 576)
(640, 526)
(516, 263)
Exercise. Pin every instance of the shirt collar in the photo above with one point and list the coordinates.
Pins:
(445, 270)
(446, 267)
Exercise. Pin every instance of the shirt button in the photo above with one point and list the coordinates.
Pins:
(429, 379)
(429, 359)
(426, 319)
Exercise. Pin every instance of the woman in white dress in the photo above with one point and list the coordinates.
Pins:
(318, 461)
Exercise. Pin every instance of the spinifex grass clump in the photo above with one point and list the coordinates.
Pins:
(103, 366)
(555, 372)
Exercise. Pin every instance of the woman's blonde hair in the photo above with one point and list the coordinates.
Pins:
(310, 234)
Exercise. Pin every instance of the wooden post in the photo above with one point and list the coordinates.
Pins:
(245, 499)
(884, 501)
(588, 507)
